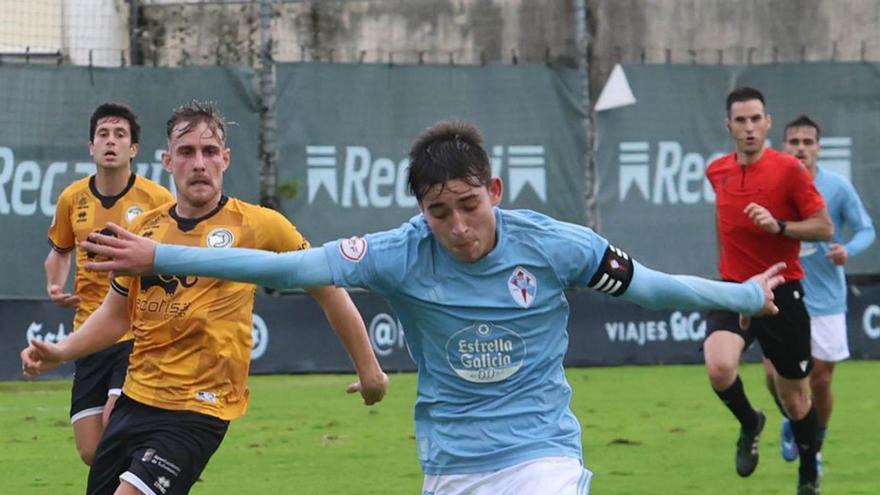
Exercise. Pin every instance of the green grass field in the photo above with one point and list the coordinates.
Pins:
(646, 430)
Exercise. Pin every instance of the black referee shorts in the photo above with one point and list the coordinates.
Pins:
(784, 337)
(94, 376)
(156, 450)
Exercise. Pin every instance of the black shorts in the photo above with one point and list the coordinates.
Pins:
(95, 376)
(157, 450)
(784, 338)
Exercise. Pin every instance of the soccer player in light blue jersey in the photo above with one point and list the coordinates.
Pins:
(481, 293)
(825, 283)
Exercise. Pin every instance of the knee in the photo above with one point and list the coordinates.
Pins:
(721, 373)
(796, 404)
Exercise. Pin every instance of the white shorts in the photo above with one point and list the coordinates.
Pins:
(544, 476)
(828, 335)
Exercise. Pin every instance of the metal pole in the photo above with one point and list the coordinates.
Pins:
(268, 142)
(591, 177)
(135, 54)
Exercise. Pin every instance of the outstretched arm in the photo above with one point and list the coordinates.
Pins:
(138, 255)
(291, 270)
(657, 290)
(617, 274)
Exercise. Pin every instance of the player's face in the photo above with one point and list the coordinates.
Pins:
(111, 146)
(197, 159)
(748, 123)
(803, 143)
(461, 217)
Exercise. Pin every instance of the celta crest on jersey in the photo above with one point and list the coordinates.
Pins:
(353, 249)
(523, 286)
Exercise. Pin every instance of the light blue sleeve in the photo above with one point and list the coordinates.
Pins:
(657, 290)
(379, 262)
(856, 217)
(295, 269)
(576, 254)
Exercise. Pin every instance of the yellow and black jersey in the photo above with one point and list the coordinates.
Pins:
(82, 210)
(193, 335)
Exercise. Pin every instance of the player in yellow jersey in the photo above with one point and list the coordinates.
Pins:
(112, 194)
(188, 373)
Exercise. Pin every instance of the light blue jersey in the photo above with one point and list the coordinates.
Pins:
(824, 282)
(488, 337)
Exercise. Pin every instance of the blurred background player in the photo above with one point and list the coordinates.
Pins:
(193, 335)
(766, 204)
(113, 194)
(824, 280)
(480, 292)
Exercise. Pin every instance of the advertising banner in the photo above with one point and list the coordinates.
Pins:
(346, 130)
(291, 335)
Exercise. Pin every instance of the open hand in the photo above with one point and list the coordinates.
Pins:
(768, 280)
(129, 254)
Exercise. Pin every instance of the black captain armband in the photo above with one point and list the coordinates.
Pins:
(614, 273)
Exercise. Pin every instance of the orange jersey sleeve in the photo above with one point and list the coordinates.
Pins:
(61, 235)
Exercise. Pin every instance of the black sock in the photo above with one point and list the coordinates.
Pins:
(821, 436)
(806, 437)
(735, 399)
(779, 405)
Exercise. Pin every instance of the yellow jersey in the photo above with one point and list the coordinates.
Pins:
(193, 335)
(82, 210)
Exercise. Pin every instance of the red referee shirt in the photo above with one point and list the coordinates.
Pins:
(778, 182)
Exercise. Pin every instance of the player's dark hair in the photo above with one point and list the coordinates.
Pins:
(744, 93)
(803, 120)
(194, 113)
(115, 110)
(446, 151)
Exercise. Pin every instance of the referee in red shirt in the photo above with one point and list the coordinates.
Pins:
(766, 203)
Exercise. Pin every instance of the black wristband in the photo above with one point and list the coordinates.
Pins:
(782, 225)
